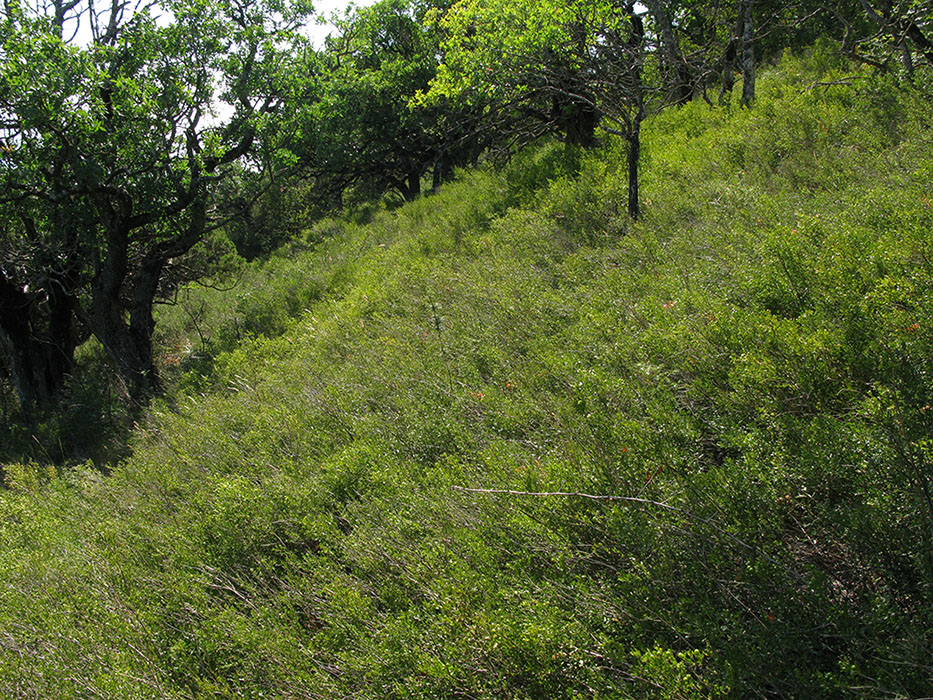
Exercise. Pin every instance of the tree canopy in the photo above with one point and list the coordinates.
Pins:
(564, 67)
(116, 126)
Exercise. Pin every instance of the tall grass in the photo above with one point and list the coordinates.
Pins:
(502, 442)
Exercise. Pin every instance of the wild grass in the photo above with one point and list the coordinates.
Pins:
(372, 479)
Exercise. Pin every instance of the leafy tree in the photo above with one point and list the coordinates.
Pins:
(117, 126)
(906, 29)
(366, 133)
(704, 44)
(566, 67)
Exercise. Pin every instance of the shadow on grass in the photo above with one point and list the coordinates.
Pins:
(92, 422)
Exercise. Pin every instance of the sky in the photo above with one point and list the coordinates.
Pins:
(315, 31)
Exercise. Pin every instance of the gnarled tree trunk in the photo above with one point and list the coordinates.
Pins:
(38, 343)
(125, 326)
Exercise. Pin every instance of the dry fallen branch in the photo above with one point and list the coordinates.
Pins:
(847, 82)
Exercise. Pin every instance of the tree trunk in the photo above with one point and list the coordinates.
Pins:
(129, 345)
(39, 347)
(441, 171)
(120, 315)
(900, 28)
(673, 66)
(410, 187)
(731, 54)
(634, 155)
(142, 324)
(908, 60)
(635, 89)
(748, 55)
(921, 40)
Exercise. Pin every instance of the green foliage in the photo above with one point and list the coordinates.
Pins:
(568, 65)
(361, 137)
(109, 165)
(748, 365)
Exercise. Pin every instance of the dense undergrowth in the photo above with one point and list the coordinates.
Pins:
(748, 368)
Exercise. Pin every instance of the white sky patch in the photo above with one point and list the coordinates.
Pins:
(317, 29)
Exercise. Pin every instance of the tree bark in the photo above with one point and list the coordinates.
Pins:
(412, 186)
(129, 345)
(899, 28)
(634, 156)
(38, 344)
(921, 40)
(125, 326)
(748, 54)
(130, 352)
(441, 171)
(636, 95)
(673, 66)
(731, 54)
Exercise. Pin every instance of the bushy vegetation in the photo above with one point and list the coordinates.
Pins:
(505, 442)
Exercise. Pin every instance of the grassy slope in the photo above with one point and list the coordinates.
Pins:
(753, 360)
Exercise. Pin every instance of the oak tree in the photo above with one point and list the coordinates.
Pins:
(116, 126)
(566, 67)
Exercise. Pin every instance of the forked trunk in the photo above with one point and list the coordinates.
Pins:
(128, 348)
(129, 344)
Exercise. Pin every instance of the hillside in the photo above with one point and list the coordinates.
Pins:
(503, 442)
